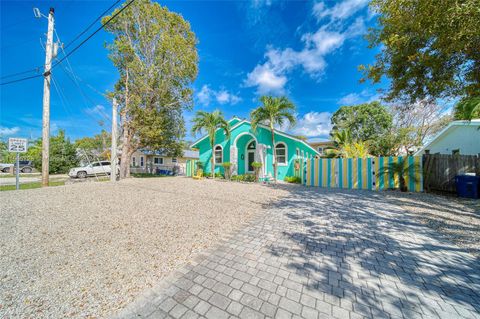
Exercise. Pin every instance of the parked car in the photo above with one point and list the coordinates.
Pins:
(25, 166)
(5, 167)
(93, 169)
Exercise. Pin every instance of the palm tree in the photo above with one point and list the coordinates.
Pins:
(340, 140)
(273, 111)
(401, 169)
(210, 122)
(467, 109)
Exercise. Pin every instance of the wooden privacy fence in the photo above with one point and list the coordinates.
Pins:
(361, 173)
(440, 170)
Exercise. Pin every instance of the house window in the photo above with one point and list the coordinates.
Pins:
(218, 154)
(134, 161)
(174, 159)
(281, 153)
(141, 161)
(158, 160)
(320, 150)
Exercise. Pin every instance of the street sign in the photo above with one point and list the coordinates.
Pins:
(17, 145)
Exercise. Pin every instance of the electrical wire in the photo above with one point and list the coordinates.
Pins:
(91, 24)
(69, 53)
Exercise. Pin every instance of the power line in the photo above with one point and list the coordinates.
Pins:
(91, 35)
(69, 53)
(91, 24)
(20, 73)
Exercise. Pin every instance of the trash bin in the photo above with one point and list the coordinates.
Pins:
(467, 186)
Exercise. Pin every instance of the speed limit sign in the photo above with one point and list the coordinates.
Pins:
(17, 145)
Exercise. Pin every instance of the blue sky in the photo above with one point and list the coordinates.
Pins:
(308, 51)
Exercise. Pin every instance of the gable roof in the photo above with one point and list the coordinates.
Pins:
(474, 122)
(263, 126)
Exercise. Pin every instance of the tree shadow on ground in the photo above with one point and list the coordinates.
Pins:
(364, 248)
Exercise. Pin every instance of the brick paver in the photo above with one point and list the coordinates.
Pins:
(323, 254)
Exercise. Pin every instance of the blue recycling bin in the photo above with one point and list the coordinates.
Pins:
(467, 186)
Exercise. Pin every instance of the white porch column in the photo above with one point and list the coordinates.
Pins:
(234, 159)
(260, 156)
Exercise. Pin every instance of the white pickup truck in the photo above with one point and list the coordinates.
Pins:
(93, 169)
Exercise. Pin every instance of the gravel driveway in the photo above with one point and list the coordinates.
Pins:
(86, 250)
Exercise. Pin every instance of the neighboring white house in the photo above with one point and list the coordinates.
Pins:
(459, 137)
(143, 161)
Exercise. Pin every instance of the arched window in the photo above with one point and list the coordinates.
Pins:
(281, 153)
(218, 154)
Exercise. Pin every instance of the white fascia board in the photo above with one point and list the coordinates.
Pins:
(442, 132)
(265, 127)
(205, 136)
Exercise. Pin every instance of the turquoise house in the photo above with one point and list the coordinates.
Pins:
(246, 146)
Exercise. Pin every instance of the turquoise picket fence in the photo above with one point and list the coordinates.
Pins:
(362, 173)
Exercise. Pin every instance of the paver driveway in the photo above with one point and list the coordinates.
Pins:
(321, 254)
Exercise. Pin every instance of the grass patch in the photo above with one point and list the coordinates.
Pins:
(30, 185)
(21, 175)
(146, 175)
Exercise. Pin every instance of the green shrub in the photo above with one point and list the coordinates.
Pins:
(250, 178)
(237, 178)
(293, 179)
(219, 175)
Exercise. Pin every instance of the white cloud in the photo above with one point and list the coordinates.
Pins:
(6, 131)
(98, 110)
(364, 96)
(204, 96)
(271, 75)
(266, 79)
(352, 98)
(222, 96)
(339, 11)
(313, 124)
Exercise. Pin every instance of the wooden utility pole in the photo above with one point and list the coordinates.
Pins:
(113, 157)
(46, 100)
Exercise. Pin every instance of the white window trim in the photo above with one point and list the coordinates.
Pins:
(142, 161)
(286, 154)
(214, 157)
(160, 159)
(174, 160)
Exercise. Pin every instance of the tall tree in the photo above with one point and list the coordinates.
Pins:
(210, 123)
(467, 109)
(155, 53)
(98, 145)
(63, 155)
(369, 122)
(274, 111)
(429, 48)
(415, 123)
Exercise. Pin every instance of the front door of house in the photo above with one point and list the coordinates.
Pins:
(251, 159)
(250, 156)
